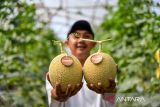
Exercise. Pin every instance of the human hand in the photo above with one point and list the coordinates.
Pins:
(101, 89)
(61, 96)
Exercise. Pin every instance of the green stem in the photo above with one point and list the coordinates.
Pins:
(60, 45)
(99, 43)
(100, 46)
(90, 40)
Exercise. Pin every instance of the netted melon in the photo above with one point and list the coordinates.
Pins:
(158, 72)
(65, 69)
(157, 57)
(99, 67)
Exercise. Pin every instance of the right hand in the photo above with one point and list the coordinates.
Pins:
(57, 93)
(101, 89)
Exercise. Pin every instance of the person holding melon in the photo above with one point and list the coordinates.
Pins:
(84, 94)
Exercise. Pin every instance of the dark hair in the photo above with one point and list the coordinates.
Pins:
(81, 25)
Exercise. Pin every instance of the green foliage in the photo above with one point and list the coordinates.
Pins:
(135, 31)
(25, 52)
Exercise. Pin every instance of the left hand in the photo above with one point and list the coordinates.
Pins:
(101, 89)
(57, 93)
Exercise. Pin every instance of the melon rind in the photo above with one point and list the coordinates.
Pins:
(102, 72)
(63, 74)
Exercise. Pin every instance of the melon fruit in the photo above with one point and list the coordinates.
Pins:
(157, 56)
(158, 73)
(99, 67)
(65, 69)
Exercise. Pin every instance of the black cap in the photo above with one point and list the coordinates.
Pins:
(81, 25)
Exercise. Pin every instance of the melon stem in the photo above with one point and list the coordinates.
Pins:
(100, 46)
(99, 43)
(157, 57)
(60, 45)
(61, 48)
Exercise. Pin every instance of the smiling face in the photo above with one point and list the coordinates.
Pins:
(79, 48)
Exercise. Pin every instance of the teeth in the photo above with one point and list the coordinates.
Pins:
(81, 46)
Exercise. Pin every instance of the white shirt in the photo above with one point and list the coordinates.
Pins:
(84, 98)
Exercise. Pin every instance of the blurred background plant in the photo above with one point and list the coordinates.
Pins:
(134, 27)
(25, 53)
